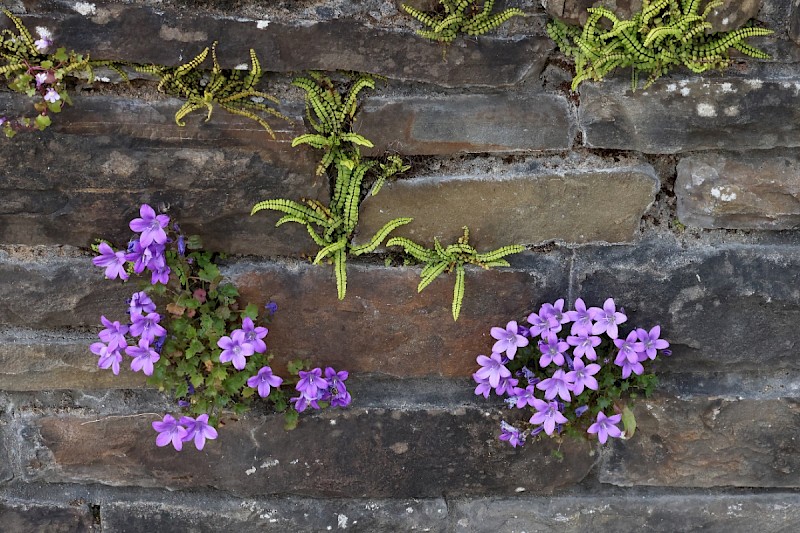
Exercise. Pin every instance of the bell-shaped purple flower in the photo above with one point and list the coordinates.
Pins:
(581, 319)
(557, 385)
(650, 341)
(508, 339)
(144, 356)
(264, 380)
(114, 262)
(584, 344)
(552, 349)
(607, 319)
(254, 335)
(492, 369)
(548, 415)
(628, 348)
(483, 388)
(150, 225)
(311, 383)
(141, 303)
(198, 429)
(512, 435)
(147, 327)
(606, 426)
(582, 376)
(235, 348)
(109, 358)
(169, 430)
(114, 334)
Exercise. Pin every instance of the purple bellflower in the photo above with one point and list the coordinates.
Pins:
(582, 376)
(114, 262)
(581, 319)
(147, 327)
(557, 385)
(483, 388)
(628, 349)
(584, 345)
(141, 303)
(608, 318)
(548, 415)
(508, 339)
(150, 225)
(144, 356)
(511, 434)
(114, 334)
(606, 426)
(263, 381)
(254, 335)
(311, 383)
(235, 348)
(650, 341)
(52, 96)
(492, 369)
(169, 430)
(198, 429)
(109, 358)
(552, 349)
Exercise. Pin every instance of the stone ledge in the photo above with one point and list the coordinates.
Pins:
(114, 31)
(752, 190)
(25, 516)
(573, 200)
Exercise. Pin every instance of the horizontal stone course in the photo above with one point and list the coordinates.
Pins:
(475, 123)
(113, 31)
(720, 307)
(691, 114)
(533, 202)
(88, 181)
(25, 516)
(751, 190)
(707, 442)
(343, 453)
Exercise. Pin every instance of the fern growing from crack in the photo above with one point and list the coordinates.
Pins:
(233, 90)
(662, 35)
(460, 17)
(441, 259)
(332, 226)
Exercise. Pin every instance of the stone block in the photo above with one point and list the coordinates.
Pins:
(88, 182)
(751, 190)
(383, 325)
(42, 360)
(540, 200)
(472, 123)
(707, 442)
(723, 306)
(630, 512)
(691, 114)
(113, 31)
(24, 516)
(352, 453)
(298, 515)
(41, 287)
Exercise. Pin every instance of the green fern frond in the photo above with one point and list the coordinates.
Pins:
(458, 292)
(460, 17)
(379, 236)
(314, 140)
(500, 253)
(431, 275)
(290, 207)
(340, 269)
(417, 251)
(331, 248)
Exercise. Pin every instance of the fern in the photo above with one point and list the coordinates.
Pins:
(453, 257)
(460, 17)
(231, 89)
(662, 35)
(331, 113)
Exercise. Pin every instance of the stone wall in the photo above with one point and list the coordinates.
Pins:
(681, 201)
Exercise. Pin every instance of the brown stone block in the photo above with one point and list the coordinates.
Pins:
(533, 202)
(343, 453)
(467, 123)
(709, 442)
(383, 325)
(753, 190)
(114, 31)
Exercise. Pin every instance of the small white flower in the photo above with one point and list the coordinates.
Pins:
(52, 96)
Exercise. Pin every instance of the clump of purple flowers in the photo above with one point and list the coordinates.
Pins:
(200, 345)
(566, 363)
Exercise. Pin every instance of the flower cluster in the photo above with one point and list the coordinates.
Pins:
(199, 345)
(565, 363)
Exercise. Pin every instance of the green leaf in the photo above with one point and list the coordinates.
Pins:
(291, 418)
(61, 54)
(42, 121)
(629, 422)
(251, 312)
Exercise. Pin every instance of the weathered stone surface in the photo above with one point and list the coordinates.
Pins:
(384, 325)
(52, 290)
(691, 114)
(24, 516)
(39, 360)
(467, 123)
(730, 305)
(114, 31)
(348, 453)
(753, 190)
(88, 182)
(278, 515)
(709, 443)
(538, 201)
(731, 15)
(794, 22)
(630, 512)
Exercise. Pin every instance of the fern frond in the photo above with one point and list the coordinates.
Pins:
(379, 236)
(417, 251)
(355, 138)
(314, 140)
(340, 269)
(329, 249)
(500, 253)
(290, 207)
(432, 274)
(458, 292)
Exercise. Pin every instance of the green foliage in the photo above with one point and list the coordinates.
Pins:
(460, 17)
(20, 63)
(664, 34)
(454, 257)
(331, 115)
(233, 90)
(332, 227)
